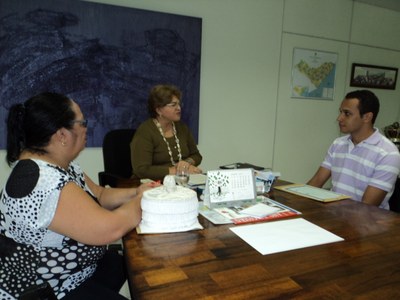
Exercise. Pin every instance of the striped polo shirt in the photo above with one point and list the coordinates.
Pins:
(374, 161)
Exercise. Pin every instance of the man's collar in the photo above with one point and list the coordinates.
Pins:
(372, 139)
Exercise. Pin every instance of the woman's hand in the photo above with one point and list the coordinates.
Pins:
(147, 186)
(182, 165)
(191, 169)
(194, 170)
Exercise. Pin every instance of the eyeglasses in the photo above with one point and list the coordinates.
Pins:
(174, 104)
(83, 122)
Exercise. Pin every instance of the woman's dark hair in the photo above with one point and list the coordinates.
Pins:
(161, 95)
(30, 125)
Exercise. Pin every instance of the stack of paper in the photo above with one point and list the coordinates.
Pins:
(197, 179)
(260, 210)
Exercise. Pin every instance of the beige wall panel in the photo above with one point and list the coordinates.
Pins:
(305, 127)
(323, 18)
(376, 26)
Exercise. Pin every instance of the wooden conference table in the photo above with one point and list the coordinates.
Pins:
(214, 263)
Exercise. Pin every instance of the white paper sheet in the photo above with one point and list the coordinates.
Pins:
(279, 236)
(260, 210)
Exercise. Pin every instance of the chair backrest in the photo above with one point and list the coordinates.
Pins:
(117, 152)
(394, 201)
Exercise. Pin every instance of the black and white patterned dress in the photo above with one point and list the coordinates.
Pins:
(30, 253)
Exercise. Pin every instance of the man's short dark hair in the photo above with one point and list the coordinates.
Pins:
(367, 102)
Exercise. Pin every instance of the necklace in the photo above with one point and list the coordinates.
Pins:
(165, 140)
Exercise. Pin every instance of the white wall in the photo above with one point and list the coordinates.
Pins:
(359, 33)
(246, 113)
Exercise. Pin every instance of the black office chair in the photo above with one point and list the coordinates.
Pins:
(116, 156)
(394, 201)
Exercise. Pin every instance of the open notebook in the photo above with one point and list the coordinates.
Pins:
(311, 192)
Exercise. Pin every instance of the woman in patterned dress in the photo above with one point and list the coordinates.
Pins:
(55, 222)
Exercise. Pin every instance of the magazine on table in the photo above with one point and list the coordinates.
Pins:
(264, 210)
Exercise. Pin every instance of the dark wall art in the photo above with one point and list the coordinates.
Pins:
(104, 57)
(371, 76)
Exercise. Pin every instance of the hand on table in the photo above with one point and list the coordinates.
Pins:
(147, 186)
(191, 169)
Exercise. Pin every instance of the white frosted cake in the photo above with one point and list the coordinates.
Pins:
(169, 208)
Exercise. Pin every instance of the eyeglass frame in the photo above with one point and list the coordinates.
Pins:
(83, 122)
(174, 104)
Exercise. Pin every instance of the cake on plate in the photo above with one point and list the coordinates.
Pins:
(169, 208)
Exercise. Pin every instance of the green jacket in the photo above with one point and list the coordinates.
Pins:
(149, 152)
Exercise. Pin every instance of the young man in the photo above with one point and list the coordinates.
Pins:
(363, 164)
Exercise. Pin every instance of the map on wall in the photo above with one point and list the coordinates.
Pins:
(105, 57)
(313, 74)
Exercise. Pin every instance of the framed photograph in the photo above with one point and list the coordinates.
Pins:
(376, 77)
(313, 74)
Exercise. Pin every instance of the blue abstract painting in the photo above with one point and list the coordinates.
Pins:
(104, 57)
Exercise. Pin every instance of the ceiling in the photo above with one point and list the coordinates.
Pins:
(389, 4)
